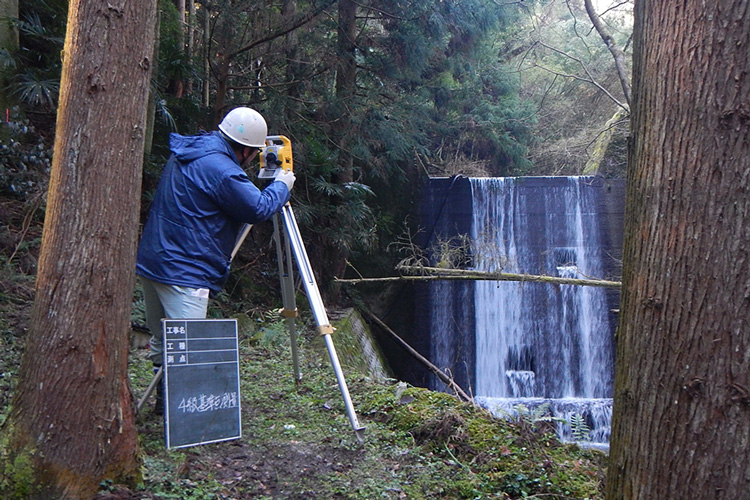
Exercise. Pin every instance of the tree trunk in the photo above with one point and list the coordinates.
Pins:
(423, 273)
(151, 107)
(176, 86)
(346, 84)
(222, 87)
(71, 424)
(291, 52)
(221, 64)
(8, 30)
(681, 425)
(206, 94)
(190, 48)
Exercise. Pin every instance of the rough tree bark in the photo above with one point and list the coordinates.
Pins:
(71, 423)
(681, 425)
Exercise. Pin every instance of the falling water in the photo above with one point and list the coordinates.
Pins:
(539, 343)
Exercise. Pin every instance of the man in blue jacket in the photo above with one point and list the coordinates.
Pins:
(203, 199)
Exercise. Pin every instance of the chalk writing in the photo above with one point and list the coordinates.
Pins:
(208, 402)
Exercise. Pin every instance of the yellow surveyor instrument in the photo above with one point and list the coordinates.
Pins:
(275, 157)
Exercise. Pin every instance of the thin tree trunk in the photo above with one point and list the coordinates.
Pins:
(190, 48)
(617, 53)
(221, 66)
(346, 81)
(291, 51)
(8, 41)
(71, 423)
(176, 86)
(151, 110)
(681, 422)
(206, 57)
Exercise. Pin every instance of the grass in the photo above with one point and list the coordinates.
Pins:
(298, 443)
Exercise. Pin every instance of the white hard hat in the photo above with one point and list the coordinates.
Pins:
(245, 126)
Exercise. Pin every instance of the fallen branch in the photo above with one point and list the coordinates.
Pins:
(419, 273)
(426, 362)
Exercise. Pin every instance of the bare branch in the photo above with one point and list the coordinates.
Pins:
(617, 53)
(295, 24)
(590, 78)
(420, 273)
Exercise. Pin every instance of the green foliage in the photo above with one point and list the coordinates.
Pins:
(533, 415)
(273, 331)
(176, 110)
(17, 481)
(579, 428)
(297, 441)
(138, 309)
(434, 96)
(431, 97)
(7, 61)
(36, 92)
(25, 159)
(41, 28)
(445, 80)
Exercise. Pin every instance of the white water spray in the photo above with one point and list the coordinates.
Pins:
(540, 342)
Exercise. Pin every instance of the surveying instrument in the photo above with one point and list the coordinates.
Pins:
(276, 157)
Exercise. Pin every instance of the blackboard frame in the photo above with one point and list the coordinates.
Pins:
(201, 382)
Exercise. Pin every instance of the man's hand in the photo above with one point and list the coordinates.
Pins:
(287, 177)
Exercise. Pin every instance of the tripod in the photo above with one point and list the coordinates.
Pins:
(292, 247)
(293, 241)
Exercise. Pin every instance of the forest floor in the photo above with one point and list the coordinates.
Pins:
(297, 442)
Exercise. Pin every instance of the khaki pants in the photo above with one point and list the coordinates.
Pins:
(170, 302)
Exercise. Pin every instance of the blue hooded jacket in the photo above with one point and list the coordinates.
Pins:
(201, 203)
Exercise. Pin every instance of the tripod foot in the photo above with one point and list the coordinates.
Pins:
(360, 433)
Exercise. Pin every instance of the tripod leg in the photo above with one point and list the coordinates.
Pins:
(321, 317)
(358, 429)
(150, 389)
(286, 275)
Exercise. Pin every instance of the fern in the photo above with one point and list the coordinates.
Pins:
(533, 416)
(579, 428)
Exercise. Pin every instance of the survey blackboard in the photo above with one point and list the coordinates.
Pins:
(201, 382)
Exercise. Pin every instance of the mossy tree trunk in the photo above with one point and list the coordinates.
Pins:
(71, 424)
(681, 424)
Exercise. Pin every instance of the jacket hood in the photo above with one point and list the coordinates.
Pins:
(188, 148)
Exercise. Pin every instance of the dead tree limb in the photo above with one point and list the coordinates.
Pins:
(426, 362)
(419, 273)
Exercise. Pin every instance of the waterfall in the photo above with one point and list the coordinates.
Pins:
(535, 343)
